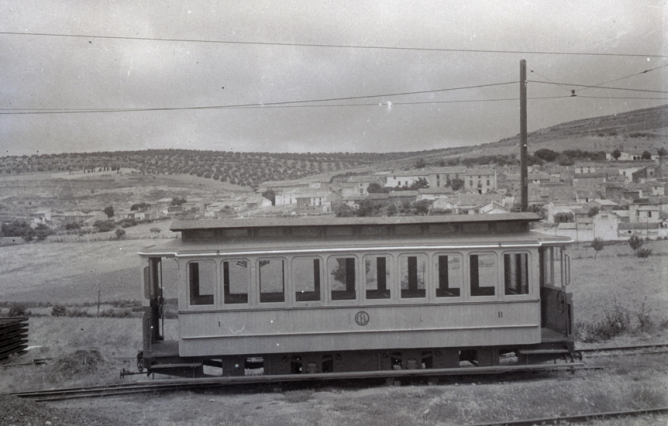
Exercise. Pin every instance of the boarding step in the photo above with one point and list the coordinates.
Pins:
(166, 366)
(543, 351)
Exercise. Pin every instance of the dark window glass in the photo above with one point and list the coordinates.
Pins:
(516, 273)
(377, 276)
(342, 271)
(306, 276)
(271, 274)
(235, 281)
(483, 274)
(449, 276)
(202, 282)
(413, 273)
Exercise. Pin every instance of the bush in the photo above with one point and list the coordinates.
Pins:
(109, 211)
(635, 242)
(58, 311)
(78, 313)
(597, 245)
(617, 321)
(344, 210)
(564, 217)
(104, 225)
(120, 233)
(71, 226)
(15, 229)
(643, 253)
(422, 207)
(593, 211)
(139, 206)
(111, 313)
(28, 235)
(18, 310)
(126, 223)
(42, 232)
(645, 321)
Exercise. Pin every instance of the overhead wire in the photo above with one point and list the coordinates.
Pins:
(336, 46)
(278, 106)
(16, 111)
(625, 77)
(596, 87)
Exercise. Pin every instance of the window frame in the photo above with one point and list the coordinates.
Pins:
(286, 282)
(330, 279)
(249, 281)
(529, 275)
(427, 278)
(216, 286)
(469, 281)
(436, 276)
(293, 285)
(390, 266)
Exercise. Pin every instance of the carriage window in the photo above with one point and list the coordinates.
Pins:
(551, 266)
(413, 273)
(516, 273)
(306, 276)
(342, 272)
(202, 282)
(483, 274)
(546, 266)
(377, 277)
(235, 281)
(449, 276)
(271, 275)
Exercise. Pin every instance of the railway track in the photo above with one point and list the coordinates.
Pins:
(578, 418)
(190, 384)
(186, 384)
(619, 350)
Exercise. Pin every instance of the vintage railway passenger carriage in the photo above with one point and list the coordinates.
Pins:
(327, 295)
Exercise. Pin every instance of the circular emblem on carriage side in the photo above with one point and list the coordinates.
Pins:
(362, 318)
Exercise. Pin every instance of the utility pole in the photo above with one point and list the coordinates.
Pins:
(524, 174)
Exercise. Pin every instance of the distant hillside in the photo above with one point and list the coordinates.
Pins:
(640, 130)
(238, 168)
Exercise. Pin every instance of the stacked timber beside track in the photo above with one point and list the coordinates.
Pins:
(13, 336)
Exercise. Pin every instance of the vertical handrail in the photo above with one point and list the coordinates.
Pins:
(162, 304)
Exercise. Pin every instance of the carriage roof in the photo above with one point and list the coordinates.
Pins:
(320, 234)
(330, 221)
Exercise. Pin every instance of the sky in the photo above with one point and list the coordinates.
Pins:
(172, 59)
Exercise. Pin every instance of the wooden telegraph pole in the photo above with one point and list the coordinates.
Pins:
(524, 178)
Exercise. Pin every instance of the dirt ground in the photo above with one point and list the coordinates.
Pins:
(445, 402)
(91, 351)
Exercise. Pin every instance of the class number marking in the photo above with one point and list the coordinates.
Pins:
(362, 318)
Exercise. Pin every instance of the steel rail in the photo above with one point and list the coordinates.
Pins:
(575, 418)
(115, 390)
(622, 348)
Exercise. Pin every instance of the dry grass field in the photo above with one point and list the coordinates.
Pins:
(87, 351)
(73, 272)
(70, 272)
